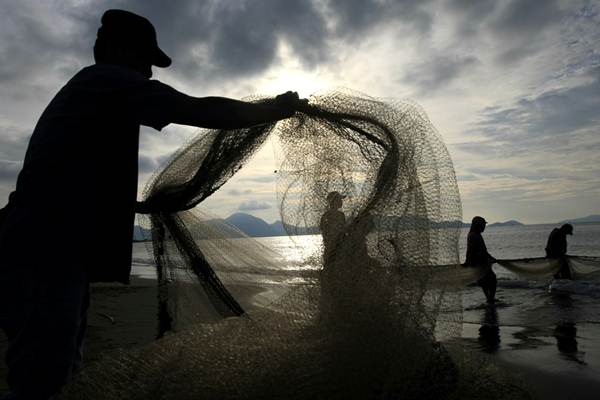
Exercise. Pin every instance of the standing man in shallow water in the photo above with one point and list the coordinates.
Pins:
(556, 247)
(478, 256)
(70, 220)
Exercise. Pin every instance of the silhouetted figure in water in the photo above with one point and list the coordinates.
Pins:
(478, 256)
(70, 220)
(557, 248)
(332, 225)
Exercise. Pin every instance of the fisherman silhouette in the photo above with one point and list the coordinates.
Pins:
(556, 247)
(352, 282)
(332, 225)
(70, 220)
(478, 256)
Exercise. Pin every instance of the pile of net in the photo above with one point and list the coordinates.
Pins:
(358, 315)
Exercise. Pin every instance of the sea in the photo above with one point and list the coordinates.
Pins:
(551, 327)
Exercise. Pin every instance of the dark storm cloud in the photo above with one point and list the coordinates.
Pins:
(525, 18)
(517, 29)
(246, 36)
(254, 205)
(216, 39)
(32, 42)
(213, 40)
(208, 40)
(438, 71)
(522, 24)
(473, 13)
(549, 115)
(355, 17)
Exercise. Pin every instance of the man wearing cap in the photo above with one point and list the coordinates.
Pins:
(556, 247)
(70, 220)
(478, 256)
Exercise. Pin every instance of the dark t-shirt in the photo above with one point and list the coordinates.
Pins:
(557, 244)
(332, 225)
(73, 206)
(477, 254)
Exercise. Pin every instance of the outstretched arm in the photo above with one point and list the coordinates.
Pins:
(224, 113)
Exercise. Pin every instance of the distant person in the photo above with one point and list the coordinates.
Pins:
(557, 248)
(478, 256)
(332, 225)
(70, 220)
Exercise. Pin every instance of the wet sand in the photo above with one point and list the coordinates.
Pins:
(124, 316)
(559, 361)
(120, 316)
(554, 362)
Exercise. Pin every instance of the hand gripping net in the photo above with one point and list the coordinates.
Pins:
(361, 325)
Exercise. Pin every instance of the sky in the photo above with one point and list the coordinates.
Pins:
(513, 86)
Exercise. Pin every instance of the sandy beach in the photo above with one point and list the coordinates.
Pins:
(119, 317)
(123, 317)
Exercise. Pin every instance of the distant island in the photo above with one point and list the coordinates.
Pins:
(257, 227)
(584, 220)
(248, 224)
(512, 222)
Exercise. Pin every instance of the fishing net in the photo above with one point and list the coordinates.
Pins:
(545, 268)
(357, 314)
(458, 276)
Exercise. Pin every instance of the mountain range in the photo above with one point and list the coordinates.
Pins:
(248, 224)
(583, 220)
(257, 227)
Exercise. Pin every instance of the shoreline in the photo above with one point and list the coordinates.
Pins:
(125, 316)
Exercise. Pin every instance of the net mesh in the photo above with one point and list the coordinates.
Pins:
(545, 268)
(355, 315)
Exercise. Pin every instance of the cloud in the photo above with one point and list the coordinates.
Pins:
(260, 178)
(146, 164)
(357, 17)
(523, 18)
(9, 171)
(253, 205)
(238, 192)
(438, 71)
(522, 25)
(550, 115)
(511, 84)
(13, 143)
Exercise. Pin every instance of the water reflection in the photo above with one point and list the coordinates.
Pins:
(566, 341)
(565, 331)
(489, 332)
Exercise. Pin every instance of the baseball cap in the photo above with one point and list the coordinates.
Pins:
(478, 220)
(135, 31)
(334, 195)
